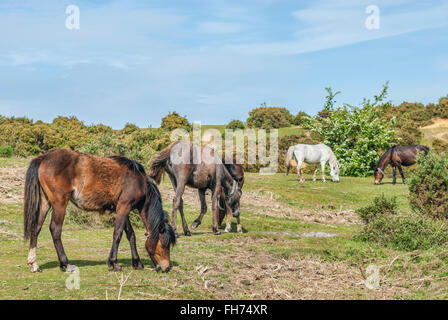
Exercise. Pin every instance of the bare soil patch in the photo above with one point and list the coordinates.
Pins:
(264, 203)
(11, 184)
(259, 275)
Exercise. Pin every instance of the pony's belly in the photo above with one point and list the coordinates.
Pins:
(90, 203)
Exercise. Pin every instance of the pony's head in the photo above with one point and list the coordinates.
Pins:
(334, 172)
(378, 174)
(233, 197)
(334, 168)
(161, 235)
(233, 194)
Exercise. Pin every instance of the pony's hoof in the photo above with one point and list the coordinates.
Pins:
(70, 268)
(239, 229)
(195, 224)
(137, 265)
(35, 269)
(176, 234)
(228, 229)
(116, 268)
(187, 233)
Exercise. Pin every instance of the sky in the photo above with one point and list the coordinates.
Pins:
(214, 60)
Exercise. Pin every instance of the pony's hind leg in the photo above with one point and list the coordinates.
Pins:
(402, 174)
(32, 257)
(315, 172)
(196, 223)
(299, 171)
(57, 220)
(184, 222)
(130, 234)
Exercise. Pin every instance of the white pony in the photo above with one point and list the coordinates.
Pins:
(313, 153)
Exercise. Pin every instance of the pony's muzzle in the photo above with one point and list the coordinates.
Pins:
(236, 213)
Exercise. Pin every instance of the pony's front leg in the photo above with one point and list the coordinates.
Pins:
(120, 221)
(323, 171)
(239, 228)
(130, 234)
(215, 212)
(229, 218)
(394, 172)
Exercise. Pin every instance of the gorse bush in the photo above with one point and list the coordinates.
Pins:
(174, 121)
(410, 231)
(269, 117)
(380, 206)
(355, 134)
(235, 124)
(6, 152)
(428, 186)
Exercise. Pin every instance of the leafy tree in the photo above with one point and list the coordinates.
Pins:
(355, 133)
(174, 121)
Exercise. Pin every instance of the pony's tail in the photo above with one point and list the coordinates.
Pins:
(32, 199)
(289, 156)
(158, 164)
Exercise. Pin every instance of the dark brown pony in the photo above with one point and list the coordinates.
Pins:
(94, 184)
(398, 156)
(201, 168)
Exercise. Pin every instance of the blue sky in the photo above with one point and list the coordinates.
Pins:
(214, 60)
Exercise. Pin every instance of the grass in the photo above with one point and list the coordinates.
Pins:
(270, 260)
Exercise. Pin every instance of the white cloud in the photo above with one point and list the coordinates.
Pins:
(330, 24)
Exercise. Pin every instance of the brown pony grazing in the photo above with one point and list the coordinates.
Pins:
(398, 156)
(95, 184)
(200, 168)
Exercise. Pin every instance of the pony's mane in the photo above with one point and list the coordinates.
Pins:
(130, 164)
(332, 159)
(386, 154)
(157, 217)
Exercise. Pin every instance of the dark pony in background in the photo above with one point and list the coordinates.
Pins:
(201, 168)
(398, 156)
(95, 184)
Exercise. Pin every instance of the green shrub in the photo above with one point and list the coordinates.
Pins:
(380, 206)
(428, 186)
(235, 124)
(410, 231)
(355, 134)
(298, 119)
(6, 151)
